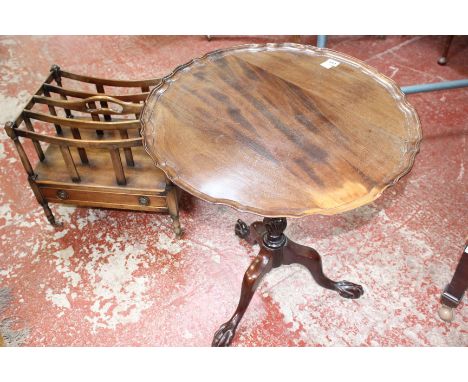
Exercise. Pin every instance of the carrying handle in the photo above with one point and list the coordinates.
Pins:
(91, 105)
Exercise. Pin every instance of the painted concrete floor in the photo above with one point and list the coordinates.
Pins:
(121, 278)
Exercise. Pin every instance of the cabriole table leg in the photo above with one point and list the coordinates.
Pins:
(275, 250)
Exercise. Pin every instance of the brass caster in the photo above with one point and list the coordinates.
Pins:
(442, 60)
(446, 313)
(179, 233)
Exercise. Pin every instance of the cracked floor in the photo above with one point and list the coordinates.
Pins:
(116, 278)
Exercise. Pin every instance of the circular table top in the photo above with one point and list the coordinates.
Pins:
(281, 130)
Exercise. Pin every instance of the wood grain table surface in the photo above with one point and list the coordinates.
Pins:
(281, 130)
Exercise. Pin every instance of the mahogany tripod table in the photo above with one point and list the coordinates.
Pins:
(280, 130)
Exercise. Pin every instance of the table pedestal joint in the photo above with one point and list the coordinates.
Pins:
(275, 250)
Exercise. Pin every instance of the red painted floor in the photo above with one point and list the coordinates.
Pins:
(121, 278)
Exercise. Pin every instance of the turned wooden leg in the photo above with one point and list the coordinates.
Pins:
(50, 215)
(41, 200)
(259, 267)
(176, 225)
(454, 292)
(310, 258)
(173, 207)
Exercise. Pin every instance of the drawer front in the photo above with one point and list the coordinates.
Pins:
(104, 199)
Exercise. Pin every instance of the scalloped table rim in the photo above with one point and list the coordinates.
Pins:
(411, 118)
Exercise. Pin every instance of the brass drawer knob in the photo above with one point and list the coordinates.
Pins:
(62, 194)
(143, 200)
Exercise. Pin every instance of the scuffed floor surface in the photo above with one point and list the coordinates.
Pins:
(121, 278)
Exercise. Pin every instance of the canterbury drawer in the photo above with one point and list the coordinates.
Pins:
(102, 198)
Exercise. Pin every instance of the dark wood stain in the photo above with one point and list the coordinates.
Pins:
(82, 164)
(200, 75)
(316, 140)
(308, 170)
(252, 144)
(276, 249)
(237, 116)
(218, 96)
(248, 71)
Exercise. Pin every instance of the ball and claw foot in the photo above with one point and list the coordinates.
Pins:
(241, 229)
(442, 61)
(349, 290)
(446, 313)
(224, 335)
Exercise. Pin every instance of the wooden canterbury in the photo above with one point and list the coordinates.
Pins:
(82, 164)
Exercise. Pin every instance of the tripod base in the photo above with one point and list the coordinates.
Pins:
(275, 250)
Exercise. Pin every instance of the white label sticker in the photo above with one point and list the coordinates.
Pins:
(330, 63)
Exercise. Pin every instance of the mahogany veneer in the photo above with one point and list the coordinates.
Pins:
(268, 129)
(92, 131)
(280, 130)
